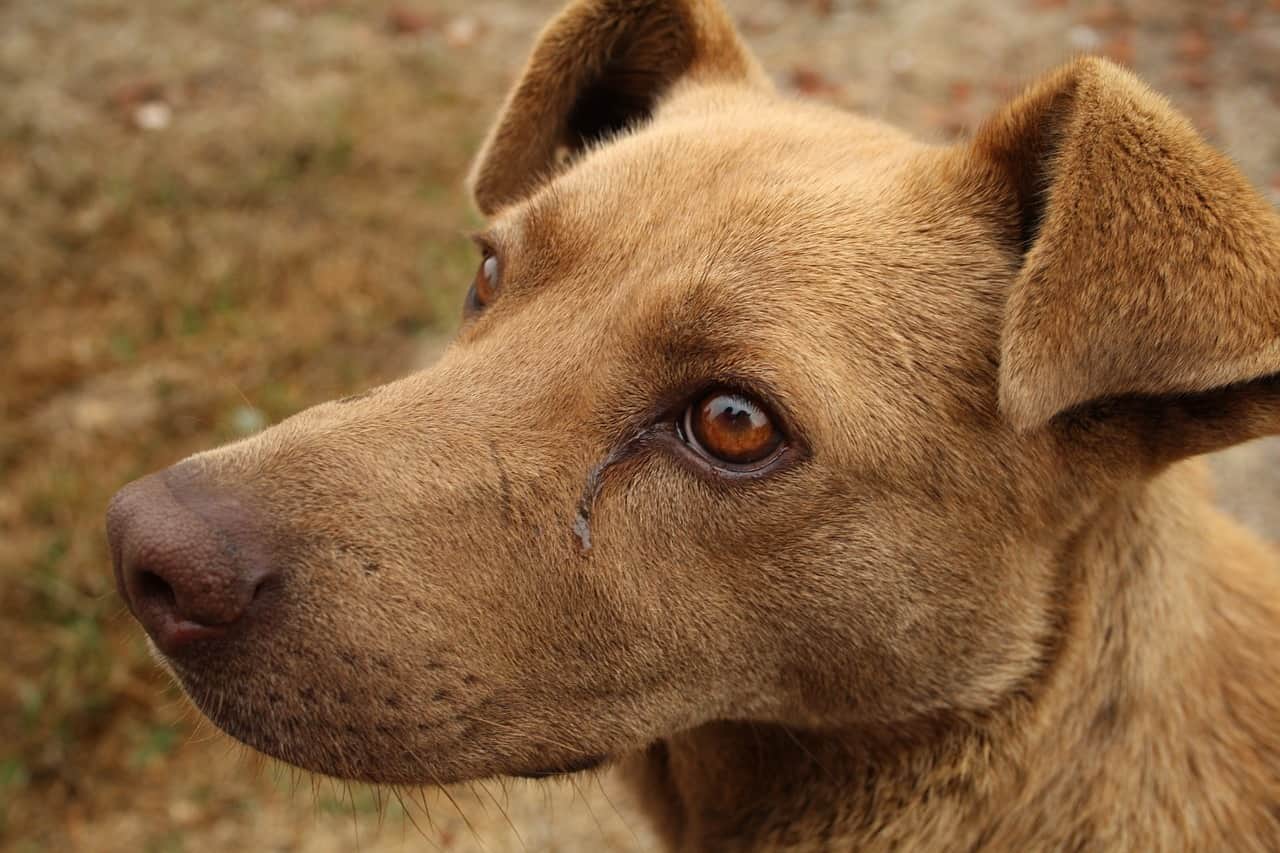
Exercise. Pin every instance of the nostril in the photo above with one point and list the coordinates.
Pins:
(152, 587)
(189, 559)
(260, 587)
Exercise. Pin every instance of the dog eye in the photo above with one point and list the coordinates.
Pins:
(729, 427)
(484, 289)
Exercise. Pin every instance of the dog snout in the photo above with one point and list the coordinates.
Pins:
(189, 559)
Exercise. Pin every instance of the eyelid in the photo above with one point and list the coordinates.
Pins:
(658, 420)
(486, 241)
(759, 391)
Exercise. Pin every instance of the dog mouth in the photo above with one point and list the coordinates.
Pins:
(580, 765)
(307, 731)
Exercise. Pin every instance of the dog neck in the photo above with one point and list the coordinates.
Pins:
(1146, 729)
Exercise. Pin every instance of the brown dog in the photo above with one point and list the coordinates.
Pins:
(831, 483)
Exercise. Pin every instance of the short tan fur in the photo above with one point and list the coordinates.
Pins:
(988, 604)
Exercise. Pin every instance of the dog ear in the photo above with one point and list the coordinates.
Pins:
(599, 68)
(1150, 269)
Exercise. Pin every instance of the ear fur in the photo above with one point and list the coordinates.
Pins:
(597, 68)
(1151, 267)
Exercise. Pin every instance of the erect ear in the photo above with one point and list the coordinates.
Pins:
(1150, 268)
(598, 68)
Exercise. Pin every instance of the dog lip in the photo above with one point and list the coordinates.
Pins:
(578, 765)
(175, 635)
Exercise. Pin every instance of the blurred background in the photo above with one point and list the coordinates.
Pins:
(213, 214)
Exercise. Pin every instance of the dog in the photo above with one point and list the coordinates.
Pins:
(837, 489)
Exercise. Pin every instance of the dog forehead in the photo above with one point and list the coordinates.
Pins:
(756, 204)
(720, 186)
(735, 161)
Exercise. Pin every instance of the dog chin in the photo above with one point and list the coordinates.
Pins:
(329, 752)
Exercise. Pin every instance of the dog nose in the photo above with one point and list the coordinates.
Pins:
(189, 560)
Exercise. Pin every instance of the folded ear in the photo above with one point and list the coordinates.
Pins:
(599, 68)
(1150, 267)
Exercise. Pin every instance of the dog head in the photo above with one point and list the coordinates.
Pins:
(760, 411)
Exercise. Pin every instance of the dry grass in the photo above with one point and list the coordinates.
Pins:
(293, 235)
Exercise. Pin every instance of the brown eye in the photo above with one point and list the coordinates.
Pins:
(485, 287)
(726, 426)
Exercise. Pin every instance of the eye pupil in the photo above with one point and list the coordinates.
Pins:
(731, 427)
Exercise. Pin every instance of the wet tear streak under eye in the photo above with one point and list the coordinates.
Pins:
(595, 479)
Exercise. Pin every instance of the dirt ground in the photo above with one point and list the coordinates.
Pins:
(215, 214)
